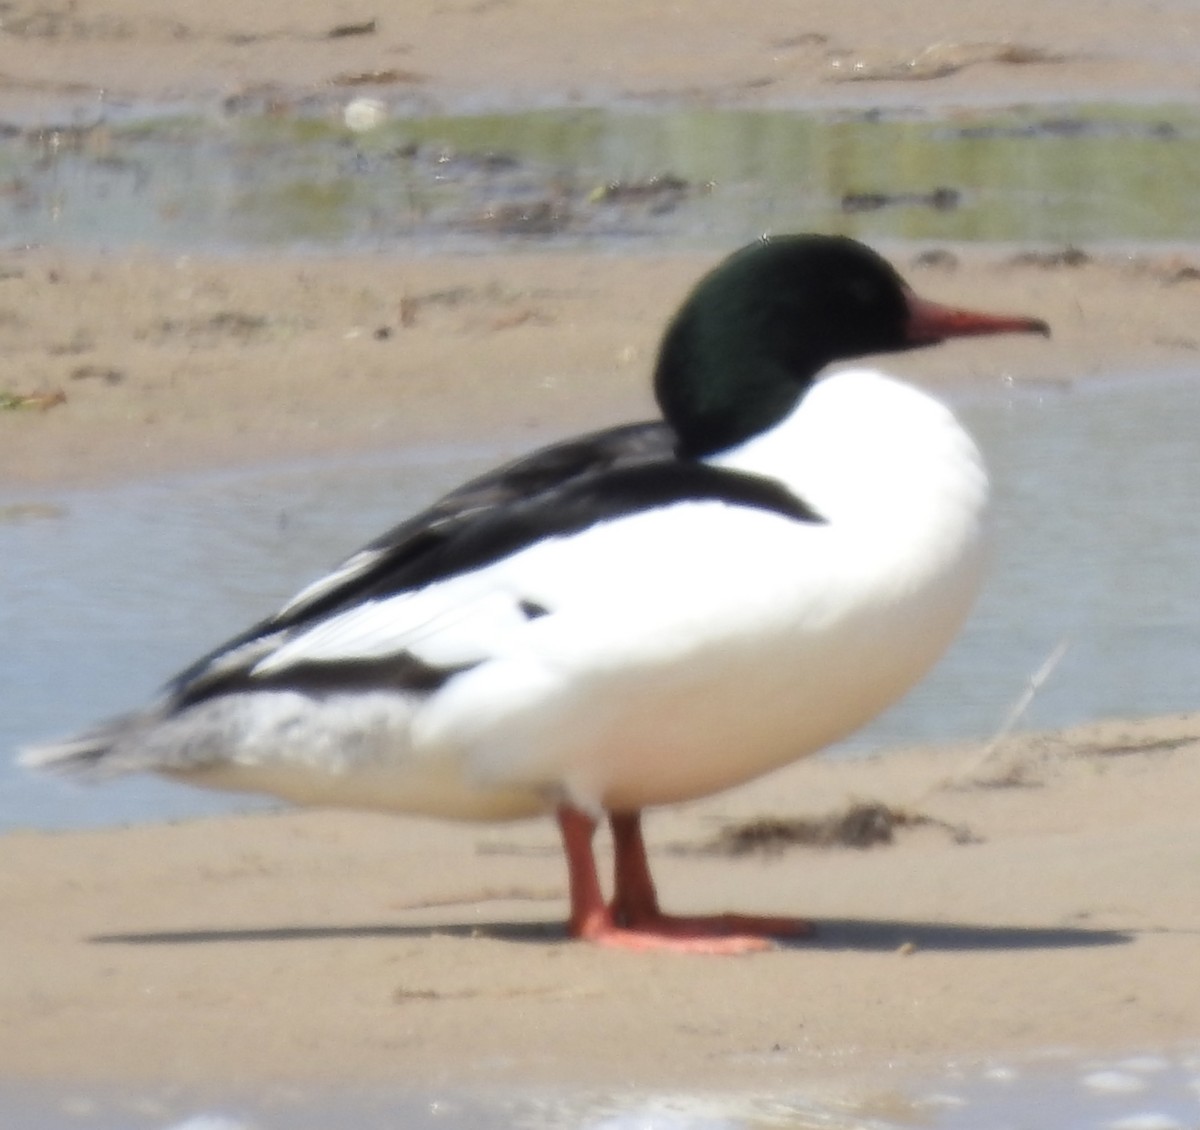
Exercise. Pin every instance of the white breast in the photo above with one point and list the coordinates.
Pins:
(695, 648)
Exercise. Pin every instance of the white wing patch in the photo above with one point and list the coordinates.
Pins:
(352, 567)
(439, 627)
(642, 583)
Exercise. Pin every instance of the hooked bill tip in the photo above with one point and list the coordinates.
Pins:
(932, 322)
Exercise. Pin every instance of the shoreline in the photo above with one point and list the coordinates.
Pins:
(136, 365)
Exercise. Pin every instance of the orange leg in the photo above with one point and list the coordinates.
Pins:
(635, 904)
(590, 917)
(633, 920)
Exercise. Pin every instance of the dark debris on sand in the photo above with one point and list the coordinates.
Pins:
(861, 825)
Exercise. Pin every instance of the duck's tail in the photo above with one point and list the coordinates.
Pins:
(86, 755)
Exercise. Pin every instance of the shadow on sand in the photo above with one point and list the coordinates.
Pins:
(846, 934)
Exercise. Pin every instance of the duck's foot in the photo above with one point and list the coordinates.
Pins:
(633, 921)
(718, 934)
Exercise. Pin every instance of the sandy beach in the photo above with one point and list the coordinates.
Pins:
(1039, 894)
(141, 366)
(488, 53)
(1043, 897)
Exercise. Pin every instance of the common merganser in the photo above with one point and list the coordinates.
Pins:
(636, 617)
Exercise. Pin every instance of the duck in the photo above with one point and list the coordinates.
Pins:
(637, 617)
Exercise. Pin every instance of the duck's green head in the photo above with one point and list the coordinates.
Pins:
(756, 331)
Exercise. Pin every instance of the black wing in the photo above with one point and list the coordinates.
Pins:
(404, 546)
(531, 476)
(557, 491)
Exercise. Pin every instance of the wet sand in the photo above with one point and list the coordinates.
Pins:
(462, 53)
(139, 365)
(1049, 901)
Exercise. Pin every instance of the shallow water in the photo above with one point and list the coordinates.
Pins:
(247, 176)
(103, 594)
(1050, 1092)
